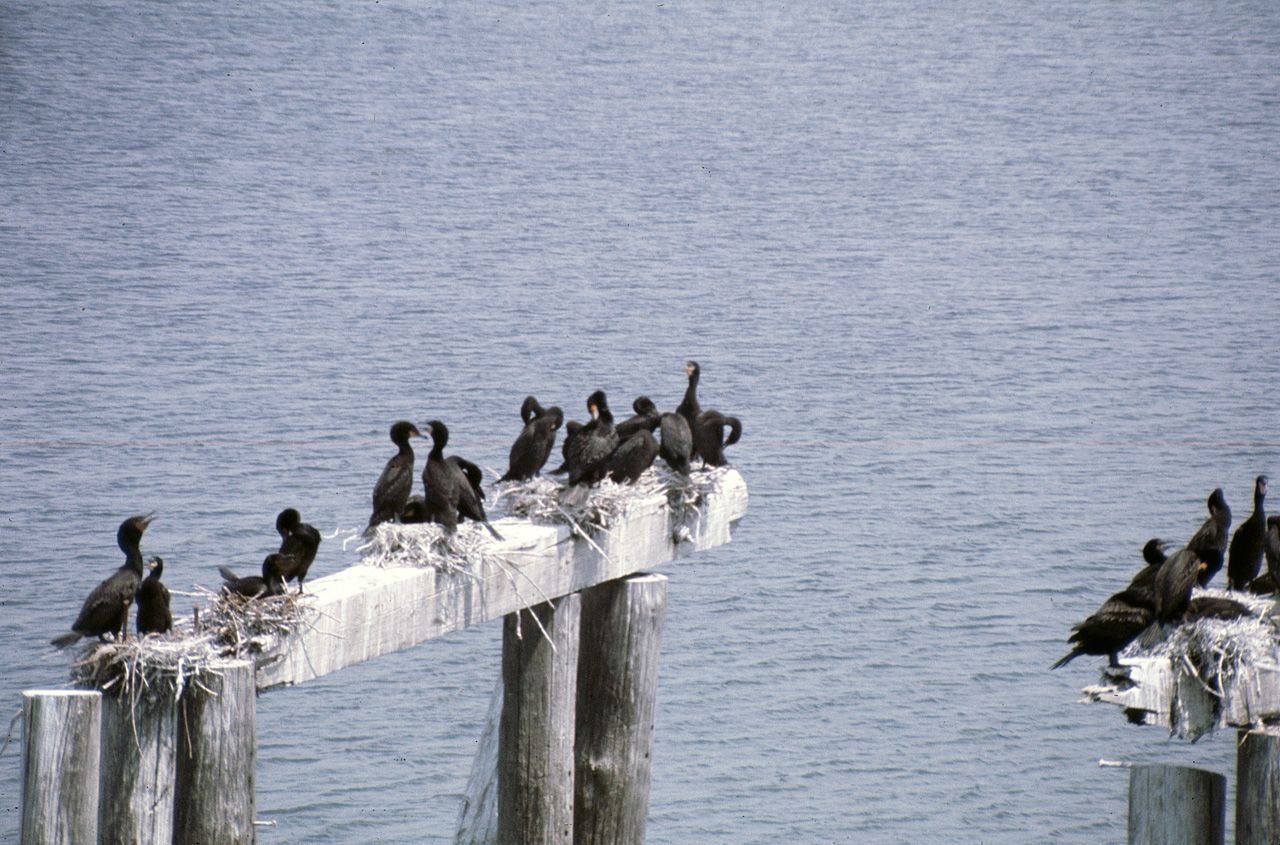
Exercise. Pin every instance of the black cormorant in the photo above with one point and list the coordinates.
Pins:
(271, 583)
(632, 457)
(1120, 619)
(708, 437)
(534, 444)
(450, 494)
(677, 442)
(1244, 556)
(1210, 542)
(1173, 584)
(689, 407)
(299, 546)
(415, 510)
(1269, 581)
(106, 610)
(646, 417)
(1153, 554)
(1214, 607)
(396, 482)
(153, 602)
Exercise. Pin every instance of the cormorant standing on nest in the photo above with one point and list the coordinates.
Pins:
(1210, 542)
(106, 610)
(708, 436)
(1173, 584)
(1244, 557)
(299, 546)
(534, 444)
(1120, 619)
(450, 494)
(1268, 581)
(573, 431)
(396, 482)
(596, 441)
(251, 586)
(153, 602)
(677, 442)
(647, 417)
(632, 457)
(689, 407)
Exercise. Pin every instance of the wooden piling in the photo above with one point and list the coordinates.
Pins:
(139, 744)
(536, 732)
(60, 766)
(1258, 787)
(217, 749)
(1176, 805)
(617, 695)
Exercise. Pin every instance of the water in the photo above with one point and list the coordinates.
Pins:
(991, 288)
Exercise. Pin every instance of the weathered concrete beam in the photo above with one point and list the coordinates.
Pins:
(365, 612)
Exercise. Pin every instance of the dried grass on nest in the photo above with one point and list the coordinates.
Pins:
(1216, 649)
(426, 544)
(231, 626)
(539, 499)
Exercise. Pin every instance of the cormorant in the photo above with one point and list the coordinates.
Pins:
(689, 407)
(1268, 581)
(450, 494)
(153, 602)
(1173, 584)
(647, 417)
(708, 437)
(271, 583)
(106, 610)
(632, 457)
(677, 442)
(1210, 542)
(572, 432)
(586, 462)
(534, 444)
(1153, 554)
(298, 548)
(1214, 607)
(1244, 557)
(396, 482)
(473, 474)
(1120, 619)
(415, 510)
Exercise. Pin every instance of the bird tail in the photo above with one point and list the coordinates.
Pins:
(227, 574)
(67, 639)
(575, 495)
(1066, 659)
(494, 531)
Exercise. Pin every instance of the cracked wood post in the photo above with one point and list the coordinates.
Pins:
(617, 695)
(217, 749)
(139, 739)
(1176, 805)
(1258, 788)
(536, 732)
(60, 766)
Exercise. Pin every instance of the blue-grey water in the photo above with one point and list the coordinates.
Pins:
(993, 288)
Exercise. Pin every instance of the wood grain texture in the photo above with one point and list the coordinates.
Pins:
(217, 751)
(1176, 805)
(139, 746)
(60, 766)
(1258, 788)
(364, 612)
(536, 730)
(617, 697)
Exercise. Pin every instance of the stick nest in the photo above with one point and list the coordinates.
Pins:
(230, 627)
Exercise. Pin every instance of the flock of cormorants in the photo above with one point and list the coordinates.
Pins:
(1161, 592)
(452, 490)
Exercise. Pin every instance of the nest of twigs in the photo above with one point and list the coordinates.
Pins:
(543, 500)
(426, 544)
(230, 626)
(1215, 650)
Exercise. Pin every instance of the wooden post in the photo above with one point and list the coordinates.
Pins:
(135, 805)
(1258, 788)
(60, 754)
(617, 695)
(1176, 805)
(478, 818)
(536, 733)
(217, 746)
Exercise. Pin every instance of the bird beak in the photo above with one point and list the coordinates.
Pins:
(595, 412)
(147, 520)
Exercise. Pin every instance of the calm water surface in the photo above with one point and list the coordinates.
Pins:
(992, 288)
